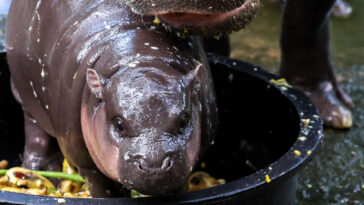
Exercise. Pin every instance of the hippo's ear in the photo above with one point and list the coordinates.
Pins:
(194, 78)
(94, 83)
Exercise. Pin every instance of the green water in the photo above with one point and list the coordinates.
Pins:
(336, 175)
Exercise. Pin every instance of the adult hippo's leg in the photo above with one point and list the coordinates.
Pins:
(306, 59)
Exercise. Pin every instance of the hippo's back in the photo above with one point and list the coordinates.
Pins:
(42, 46)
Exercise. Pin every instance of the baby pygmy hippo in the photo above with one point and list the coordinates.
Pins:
(130, 106)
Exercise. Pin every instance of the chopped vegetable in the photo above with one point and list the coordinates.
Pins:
(306, 121)
(26, 181)
(297, 153)
(202, 180)
(281, 82)
(267, 179)
(156, 20)
(3, 164)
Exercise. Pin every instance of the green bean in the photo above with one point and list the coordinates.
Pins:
(51, 174)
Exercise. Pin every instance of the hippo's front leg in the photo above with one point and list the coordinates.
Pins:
(41, 151)
(102, 187)
(306, 59)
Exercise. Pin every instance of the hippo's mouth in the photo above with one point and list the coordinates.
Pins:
(206, 17)
(202, 18)
(212, 23)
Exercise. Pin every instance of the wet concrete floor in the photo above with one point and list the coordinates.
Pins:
(336, 175)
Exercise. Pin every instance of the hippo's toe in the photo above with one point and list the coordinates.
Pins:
(342, 9)
(334, 105)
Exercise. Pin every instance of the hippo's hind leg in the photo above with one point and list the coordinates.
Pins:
(41, 151)
(306, 59)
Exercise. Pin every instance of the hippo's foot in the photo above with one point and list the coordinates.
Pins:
(41, 151)
(342, 9)
(333, 103)
(35, 162)
(102, 187)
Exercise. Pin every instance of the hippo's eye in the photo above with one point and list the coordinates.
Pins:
(183, 122)
(118, 123)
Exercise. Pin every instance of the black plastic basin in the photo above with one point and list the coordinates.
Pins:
(260, 126)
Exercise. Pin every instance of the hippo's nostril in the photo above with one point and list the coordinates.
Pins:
(167, 163)
(140, 167)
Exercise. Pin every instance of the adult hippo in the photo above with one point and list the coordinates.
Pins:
(305, 45)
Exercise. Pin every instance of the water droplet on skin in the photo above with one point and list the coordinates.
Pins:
(42, 73)
(146, 44)
(154, 48)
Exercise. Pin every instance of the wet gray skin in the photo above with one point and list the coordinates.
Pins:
(130, 105)
(207, 17)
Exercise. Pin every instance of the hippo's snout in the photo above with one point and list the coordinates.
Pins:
(153, 175)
